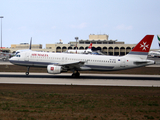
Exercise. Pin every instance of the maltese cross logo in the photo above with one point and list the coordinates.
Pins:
(144, 46)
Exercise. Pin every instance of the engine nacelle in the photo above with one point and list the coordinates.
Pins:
(52, 69)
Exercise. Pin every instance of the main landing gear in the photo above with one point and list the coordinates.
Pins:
(27, 73)
(76, 74)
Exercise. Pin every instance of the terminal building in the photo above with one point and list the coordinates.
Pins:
(99, 43)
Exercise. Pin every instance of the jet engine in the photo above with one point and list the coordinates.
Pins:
(52, 69)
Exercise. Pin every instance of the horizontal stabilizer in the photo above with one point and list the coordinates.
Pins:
(149, 62)
(140, 62)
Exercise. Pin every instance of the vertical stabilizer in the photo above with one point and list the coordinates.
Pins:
(90, 46)
(158, 36)
(30, 46)
(143, 47)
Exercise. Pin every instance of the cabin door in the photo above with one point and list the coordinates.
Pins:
(26, 56)
(122, 62)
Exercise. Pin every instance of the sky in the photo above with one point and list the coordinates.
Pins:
(48, 21)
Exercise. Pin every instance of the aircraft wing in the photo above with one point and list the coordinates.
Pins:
(74, 65)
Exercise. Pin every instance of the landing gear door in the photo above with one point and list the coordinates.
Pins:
(26, 56)
(122, 62)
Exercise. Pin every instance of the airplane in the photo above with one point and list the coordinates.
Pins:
(155, 53)
(5, 56)
(56, 63)
(89, 50)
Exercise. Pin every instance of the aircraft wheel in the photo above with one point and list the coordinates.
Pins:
(76, 75)
(73, 75)
(27, 73)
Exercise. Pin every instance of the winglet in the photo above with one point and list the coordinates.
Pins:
(143, 47)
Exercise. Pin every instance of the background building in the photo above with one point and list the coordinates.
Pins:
(15, 47)
(99, 42)
(6, 50)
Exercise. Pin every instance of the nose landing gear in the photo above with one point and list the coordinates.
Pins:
(27, 73)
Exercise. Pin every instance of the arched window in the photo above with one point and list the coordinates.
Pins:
(75, 48)
(93, 48)
(98, 48)
(110, 50)
(105, 49)
(64, 49)
(86, 48)
(58, 49)
(69, 48)
(81, 48)
(122, 48)
(128, 49)
(116, 51)
(122, 51)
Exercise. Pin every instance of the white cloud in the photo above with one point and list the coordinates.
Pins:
(123, 27)
(80, 26)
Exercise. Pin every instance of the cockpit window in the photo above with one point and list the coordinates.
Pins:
(17, 53)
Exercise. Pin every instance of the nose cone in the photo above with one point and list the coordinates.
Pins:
(11, 60)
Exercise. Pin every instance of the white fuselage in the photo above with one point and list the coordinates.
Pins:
(91, 62)
(154, 53)
(79, 51)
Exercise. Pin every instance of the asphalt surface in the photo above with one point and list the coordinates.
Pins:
(84, 79)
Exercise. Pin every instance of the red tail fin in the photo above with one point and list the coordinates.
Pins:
(90, 46)
(143, 46)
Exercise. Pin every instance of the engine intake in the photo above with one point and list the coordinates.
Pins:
(52, 69)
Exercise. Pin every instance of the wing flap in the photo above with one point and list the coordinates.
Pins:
(74, 65)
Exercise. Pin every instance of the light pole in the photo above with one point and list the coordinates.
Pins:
(76, 43)
(1, 32)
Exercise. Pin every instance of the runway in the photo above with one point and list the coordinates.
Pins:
(84, 79)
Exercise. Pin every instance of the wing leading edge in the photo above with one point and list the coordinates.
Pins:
(74, 65)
